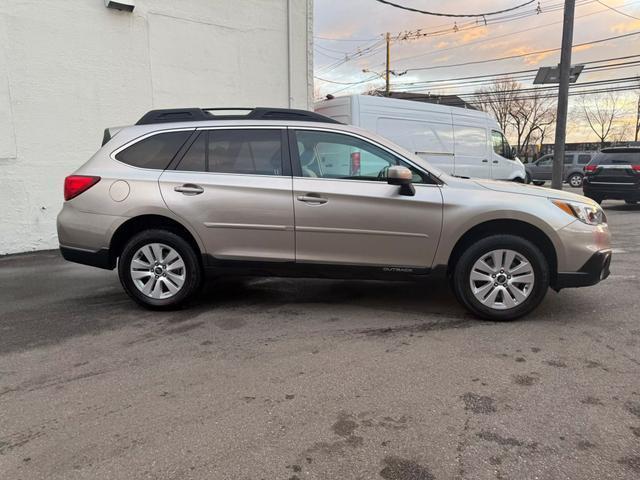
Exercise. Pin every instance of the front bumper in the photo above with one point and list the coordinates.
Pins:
(592, 272)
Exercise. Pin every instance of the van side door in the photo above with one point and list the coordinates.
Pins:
(471, 147)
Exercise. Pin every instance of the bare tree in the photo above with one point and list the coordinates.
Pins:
(600, 114)
(529, 117)
(498, 99)
(526, 117)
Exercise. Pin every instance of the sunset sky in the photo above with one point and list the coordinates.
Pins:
(356, 28)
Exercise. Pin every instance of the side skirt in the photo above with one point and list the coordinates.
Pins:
(216, 267)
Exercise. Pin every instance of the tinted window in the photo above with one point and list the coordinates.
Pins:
(545, 161)
(194, 159)
(568, 159)
(332, 155)
(252, 152)
(616, 158)
(155, 152)
(584, 159)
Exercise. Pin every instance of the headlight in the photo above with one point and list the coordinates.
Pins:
(586, 213)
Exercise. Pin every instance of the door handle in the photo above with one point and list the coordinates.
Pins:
(495, 161)
(485, 160)
(189, 189)
(312, 199)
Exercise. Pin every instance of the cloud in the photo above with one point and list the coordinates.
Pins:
(474, 34)
(625, 27)
(529, 59)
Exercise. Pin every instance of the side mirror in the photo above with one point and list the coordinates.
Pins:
(398, 175)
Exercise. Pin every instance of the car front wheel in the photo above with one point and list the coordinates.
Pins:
(159, 269)
(501, 277)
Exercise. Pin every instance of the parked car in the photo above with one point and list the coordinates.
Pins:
(292, 193)
(459, 141)
(614, 173)
(540, 171)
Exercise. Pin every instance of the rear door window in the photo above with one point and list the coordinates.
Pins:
(154, 152)
(568, 159)
(251, 152)
(242, 151)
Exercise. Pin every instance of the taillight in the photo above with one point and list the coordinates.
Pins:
(635, 168)
(590, 168)
(355, 164)
(74, 185)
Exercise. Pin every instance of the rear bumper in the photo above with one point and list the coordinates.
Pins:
(592, 272)
(99, 258)
(611, 191)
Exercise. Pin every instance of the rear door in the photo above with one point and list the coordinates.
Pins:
(234, 188)
(347, 214)
(569, 160)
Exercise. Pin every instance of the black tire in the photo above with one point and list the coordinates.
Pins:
(461, 276)
(192, 269)
(538, 183)
(528, 178)
(577, 179)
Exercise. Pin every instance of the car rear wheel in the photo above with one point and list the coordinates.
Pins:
(539, 183)
(575, 180)
(159, 269)
(501, 277)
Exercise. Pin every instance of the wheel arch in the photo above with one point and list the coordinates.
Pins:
(146, 222)
(510, 227)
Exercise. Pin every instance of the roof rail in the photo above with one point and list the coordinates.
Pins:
(202, 114)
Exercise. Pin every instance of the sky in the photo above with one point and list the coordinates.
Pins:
(356, 28)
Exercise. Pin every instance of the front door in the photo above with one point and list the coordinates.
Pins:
(231, 188)
(346, 212)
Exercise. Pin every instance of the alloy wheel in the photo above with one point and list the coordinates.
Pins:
(502, 279)
(157, 270)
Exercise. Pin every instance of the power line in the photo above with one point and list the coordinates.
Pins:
(454, 15)
(617, 11)
(493, 38)
(519, 73)
(509, 57)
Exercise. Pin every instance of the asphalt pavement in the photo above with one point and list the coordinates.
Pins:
(317, 379)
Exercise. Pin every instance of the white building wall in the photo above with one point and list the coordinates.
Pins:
(70, 68)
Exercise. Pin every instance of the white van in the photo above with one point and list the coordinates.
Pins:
(462, 142)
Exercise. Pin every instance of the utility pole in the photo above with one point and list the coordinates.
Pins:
(387, 70)
(638, 119)
(563, 94)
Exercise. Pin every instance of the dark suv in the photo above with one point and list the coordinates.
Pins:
(614, 173)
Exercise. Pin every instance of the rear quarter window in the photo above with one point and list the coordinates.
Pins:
(155, 152)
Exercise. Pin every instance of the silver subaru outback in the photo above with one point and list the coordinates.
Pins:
(278, 192)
